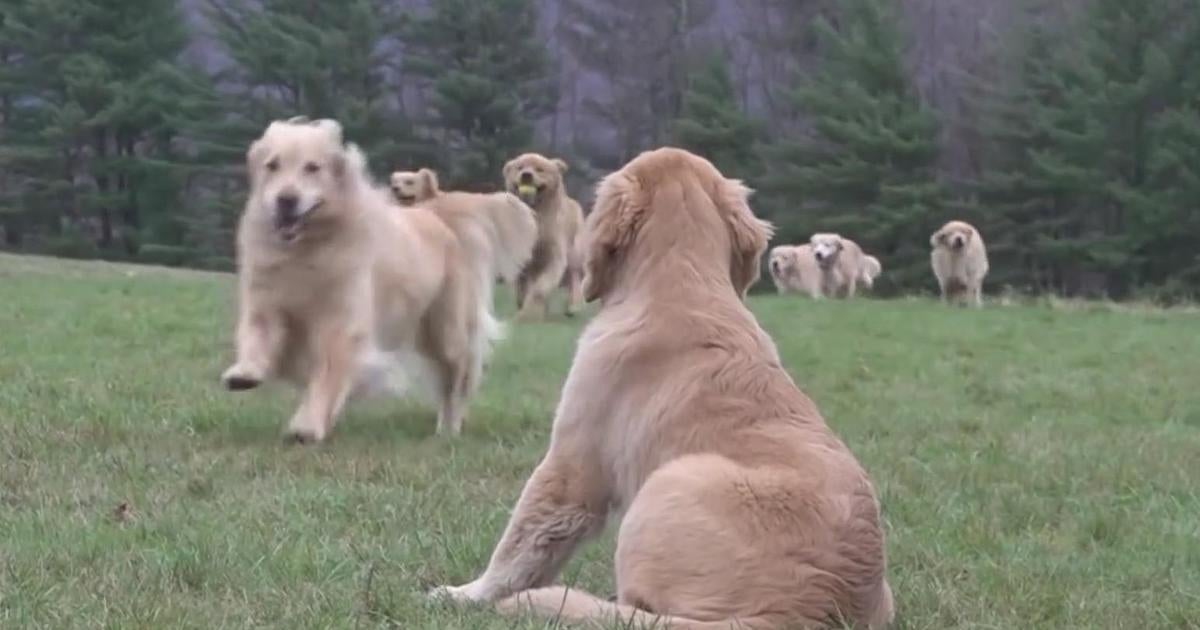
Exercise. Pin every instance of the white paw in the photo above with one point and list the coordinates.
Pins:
(465, 594)
(241, 377)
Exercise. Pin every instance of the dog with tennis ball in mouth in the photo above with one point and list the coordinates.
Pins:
(557, 259)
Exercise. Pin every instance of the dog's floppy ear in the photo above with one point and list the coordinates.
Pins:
(430, 178)
(935, 239)
(610, 229)
(748, 234)
(508, 169)
(561, 165)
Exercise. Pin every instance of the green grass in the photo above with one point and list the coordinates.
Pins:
(1039, 467)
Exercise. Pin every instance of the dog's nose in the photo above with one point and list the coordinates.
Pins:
(819, 255)
(287, 204)
(526, 177)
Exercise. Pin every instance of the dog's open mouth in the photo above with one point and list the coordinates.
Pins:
(290, 226)
(528, 193)
(407, 200)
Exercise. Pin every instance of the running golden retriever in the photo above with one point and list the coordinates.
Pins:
(741, 508)
(339, 292)
(557, 257)
(959, 261)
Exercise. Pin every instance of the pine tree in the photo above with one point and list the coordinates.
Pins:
(1074, 148)
(489, 78)
(89, 130)
(867, 168)
(1167, 214)
(712, 124)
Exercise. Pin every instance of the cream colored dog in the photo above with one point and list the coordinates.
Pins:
(959, 261)
(739, 507)
(557, 259)
(339, 292)
(841, 263)
(410, 188)
(794, 269)
(514, 239)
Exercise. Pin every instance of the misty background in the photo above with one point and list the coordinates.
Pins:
(1067, 131)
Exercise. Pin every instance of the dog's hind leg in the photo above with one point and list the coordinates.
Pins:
(260, 336)
(330, 381)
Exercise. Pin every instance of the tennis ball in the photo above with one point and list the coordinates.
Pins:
(527, 189)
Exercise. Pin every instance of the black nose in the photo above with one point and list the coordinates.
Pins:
(526, 177)
(286, 205)
(818, 255)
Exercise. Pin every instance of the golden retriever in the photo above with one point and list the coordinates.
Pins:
(741, 508)
(410, 188)
(340, 293)
(959, 261)
(556, 259)
(513, 240)
(841, 262)
(794, 269)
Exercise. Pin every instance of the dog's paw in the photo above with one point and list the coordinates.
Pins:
(240, 379)
(465, 594)
(294, 436)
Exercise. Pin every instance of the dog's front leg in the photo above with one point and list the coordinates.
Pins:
(330, 381)
(259, 338)
(563, 503)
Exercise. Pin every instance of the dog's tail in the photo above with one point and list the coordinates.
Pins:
(567, 604)
(513, 231)
(871, 268)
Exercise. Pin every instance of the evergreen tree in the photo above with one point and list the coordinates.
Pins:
(711, 123)
(1074, 144)
(489, 78)
(867, 168)
(89, 130)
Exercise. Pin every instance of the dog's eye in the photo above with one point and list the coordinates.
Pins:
(273, 165)
(311, 167)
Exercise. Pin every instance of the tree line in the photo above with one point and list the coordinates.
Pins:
(1081, 168)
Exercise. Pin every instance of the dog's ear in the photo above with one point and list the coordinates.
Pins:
(841, 243)
(430, 179)
(349, 160)
(561, 165)
(935, 239)
(331, 127)
(509, 168)
(611, 227)
(968, 234)
(748, 234)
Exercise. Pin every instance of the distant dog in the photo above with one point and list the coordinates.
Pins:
(512, 240)
(739, 507)
(410, 188)
(959, 261)
(339, 293)
(841, 263)
(794, 269)
(556, 259)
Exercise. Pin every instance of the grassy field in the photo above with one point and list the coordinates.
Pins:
(1039, 467)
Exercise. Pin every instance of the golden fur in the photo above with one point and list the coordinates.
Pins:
(871, 268)
(841, 263)
(557, 257)
(794, 269)
(339, 292)
(412, 187)
(739, 507)
(959, 261)
(511, 241)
